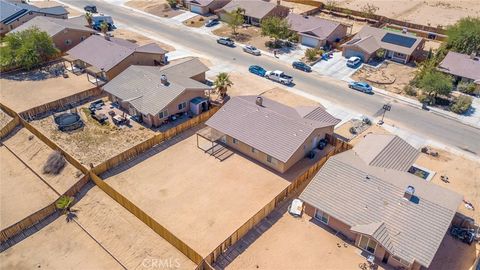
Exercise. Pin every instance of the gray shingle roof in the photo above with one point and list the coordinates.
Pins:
(151, 48)
(361, 196)
(142, 88)
(253, 8)
(461, 65)
(386, 151)
(275, 129)
(51, 25)
(12, 11)
(311, 25)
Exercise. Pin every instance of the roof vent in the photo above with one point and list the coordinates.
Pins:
(259, 101)
(409, 193)
(164, 80)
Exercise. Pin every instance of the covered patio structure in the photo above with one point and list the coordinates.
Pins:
(76, 66)
(216, 139)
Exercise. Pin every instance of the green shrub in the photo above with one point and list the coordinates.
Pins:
(466, 87)
(311, 54)
(461, 104)
(294, 38)
(422, 98)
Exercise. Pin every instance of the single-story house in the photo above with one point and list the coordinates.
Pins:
(204, 7)
(154, 93)
(316, 32)
(13, 15)
(270, 132)
(462, 67)
(64, 33)
(255, 10)
(397, 46)
(367, 195)
(105, 57)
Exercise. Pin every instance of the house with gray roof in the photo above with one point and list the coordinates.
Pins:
(367, 195)
(154, 94)
(397, 46)
(270, 132)
(64, 33)
(204, 7)
(255, 10)
(13, 15)
(462, 66)
(103, 57)
(316, 32)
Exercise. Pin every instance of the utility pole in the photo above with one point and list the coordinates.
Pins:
(386, 107)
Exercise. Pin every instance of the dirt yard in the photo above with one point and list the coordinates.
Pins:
(94, 143)
(4, 119)
(390, 76)
(248, 35)
(297, 7)
(60, 245)
(355, 25)
(201, 205)
(41, 87)
(156, 7)
(344, 130)
(140, 39)
(44, 4)
(128, 239)
(197, 21)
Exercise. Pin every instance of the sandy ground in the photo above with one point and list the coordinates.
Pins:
(4, 119)
(40, 87)
(202, 205)
(344, 129)
(94, 143)
(139, 39)
(288, 98)
(248, 35)
(59, 245)
(43, 4)
(197, 21)
(297, 7)
(127, 238)
(463, 174)
(390, 76)
(427, 12)
(156, 7)
(355, 25)
(453, 254)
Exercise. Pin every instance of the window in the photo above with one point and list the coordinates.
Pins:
(367, 244)
(82, 38)
(235, 141)
(254, 150)
(321, 216)
(400, 260)
(182, 106)
(68, 42)
(163, 114)
(271, 159)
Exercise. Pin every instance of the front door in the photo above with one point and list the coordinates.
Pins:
(385, 257)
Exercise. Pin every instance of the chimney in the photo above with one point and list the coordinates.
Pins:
(409, 193)
(259, 101)
(164, 80)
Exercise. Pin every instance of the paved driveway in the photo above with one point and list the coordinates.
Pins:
(335, 67)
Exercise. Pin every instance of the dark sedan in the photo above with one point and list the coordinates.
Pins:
(301, 66)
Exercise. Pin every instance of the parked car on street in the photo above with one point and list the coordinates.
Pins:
(361, 86)
(212, 22)
(302, 66)
(354, 61)
(90, 8)
(226, 41)
(251, 50)
(257, 70)
(279, 76)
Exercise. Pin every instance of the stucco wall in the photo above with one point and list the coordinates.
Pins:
(339, 33)
(75, 36)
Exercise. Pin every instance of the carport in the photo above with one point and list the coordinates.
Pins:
(216, 138)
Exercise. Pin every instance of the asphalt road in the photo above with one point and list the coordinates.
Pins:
(422, 123)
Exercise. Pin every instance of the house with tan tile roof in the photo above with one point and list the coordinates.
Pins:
(462, 67)
(255, 10)
(204, 7)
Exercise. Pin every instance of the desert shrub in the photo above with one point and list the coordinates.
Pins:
(201, 19)
(422, 98)
(294, 38)
(410, 90)
(274, 44)
(172, 3)
(311, 54)
(192, 22)
(55, 163)
(461, 104)
(466, 87)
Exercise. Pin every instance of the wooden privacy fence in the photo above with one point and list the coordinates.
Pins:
(9, 127)
(159, 229)
(340, 146)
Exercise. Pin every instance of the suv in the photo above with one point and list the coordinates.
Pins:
(90, 8)
(226, 41)
(353, 61)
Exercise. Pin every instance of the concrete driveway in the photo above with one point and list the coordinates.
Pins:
(335, 67)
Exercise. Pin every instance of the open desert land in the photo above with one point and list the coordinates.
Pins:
(41, 87)
(49, 3)
(139, 38)
(4, 119)
(205, 203)
(127, 239)
(426, 12)
(156, 7)
(59, 245)
(94, 143)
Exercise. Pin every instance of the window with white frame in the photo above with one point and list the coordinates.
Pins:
(163, 114)
(321, 216)
(182, 106)
(68, 42)
(254, 150)
(367, 244)
(235, 141)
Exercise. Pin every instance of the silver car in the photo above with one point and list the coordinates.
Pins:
(251, 50)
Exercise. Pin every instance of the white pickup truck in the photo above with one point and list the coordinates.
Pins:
(279, 76)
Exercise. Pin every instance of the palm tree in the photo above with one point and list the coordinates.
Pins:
(63, 203)
(221, 84)
(89, 18)
(104, 27)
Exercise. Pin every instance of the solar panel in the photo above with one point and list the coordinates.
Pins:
(399, 40)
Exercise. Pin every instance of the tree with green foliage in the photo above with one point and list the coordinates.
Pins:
(234, 19)
(64, 203)
(89, 19)
(331, 4)
(464, 36)
(276, 28)
(222, 83)
(172, 3)
(436, 83)
(26, 49)
(461, 104)
(104, 28)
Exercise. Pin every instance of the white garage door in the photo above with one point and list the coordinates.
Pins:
(308, 41)
(196, 9)
(349, 53)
